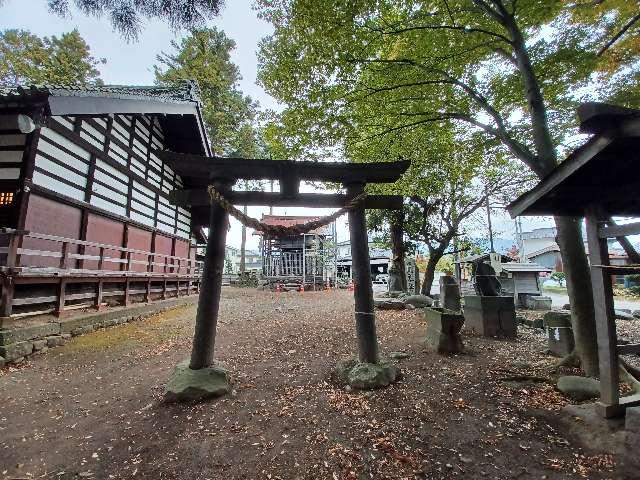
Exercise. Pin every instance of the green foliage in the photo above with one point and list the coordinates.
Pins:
(64, 60)
(364, 72)
(205, 56)
(559, 277)
(445, 265)
(228, 266)
(127, 16)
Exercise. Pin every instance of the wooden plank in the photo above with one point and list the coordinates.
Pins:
(619, 230)
(598, 117)
(603, 303)
(200, 197)
(524, 204)
(35, 300)
(628, 349)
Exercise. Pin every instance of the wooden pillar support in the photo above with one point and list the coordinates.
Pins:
(363, 292)
(99, 288)
(604, 313)
(209, 299)
(62, 290)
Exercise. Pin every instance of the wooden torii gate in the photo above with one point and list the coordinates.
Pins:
(199, 172)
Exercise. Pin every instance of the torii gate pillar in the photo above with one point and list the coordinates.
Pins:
(363, 291)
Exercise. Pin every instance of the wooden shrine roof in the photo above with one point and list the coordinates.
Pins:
(605, 170)
(291, 220)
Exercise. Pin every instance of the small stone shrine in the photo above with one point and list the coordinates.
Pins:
(444, 323)
(560, 334)
(489, 313)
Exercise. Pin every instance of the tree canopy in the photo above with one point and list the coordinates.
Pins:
(65, 60)
(204, 56)
(394, 66)
(126, 16)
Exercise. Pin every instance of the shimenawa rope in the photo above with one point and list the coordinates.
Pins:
(275, 231)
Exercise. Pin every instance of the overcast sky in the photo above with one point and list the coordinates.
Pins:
(131, 63)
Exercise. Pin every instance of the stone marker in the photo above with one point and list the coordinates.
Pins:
(418, 301)
(631, 459)
(579, 388)
(449, 293)
(389, 304)
(187, 385)
(443, 330)
(559, 332)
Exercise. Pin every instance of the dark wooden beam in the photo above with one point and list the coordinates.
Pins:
(599, 117)
(200, 197)
(363, 289)
(202, 168)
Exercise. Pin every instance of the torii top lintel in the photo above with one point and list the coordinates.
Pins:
(200, 170)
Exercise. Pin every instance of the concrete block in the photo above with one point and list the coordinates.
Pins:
(21, 334)
(14, 351)
(55, 341)
(491, 316)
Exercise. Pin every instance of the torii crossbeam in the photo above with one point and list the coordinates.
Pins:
(199, 172)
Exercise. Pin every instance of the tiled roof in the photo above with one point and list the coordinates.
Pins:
(290, 220)
(188, 92)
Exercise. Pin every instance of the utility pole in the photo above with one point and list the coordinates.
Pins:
(489, 221)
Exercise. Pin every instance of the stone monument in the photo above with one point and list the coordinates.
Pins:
(489, 313)
(445, 322)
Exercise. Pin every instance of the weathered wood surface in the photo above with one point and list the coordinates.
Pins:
(204, 337)
(363, 292)
(604, 312)
(198, 167)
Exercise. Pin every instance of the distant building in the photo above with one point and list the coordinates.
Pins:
(537, 241)
(252, 260)
(307, 258)
(379, 259)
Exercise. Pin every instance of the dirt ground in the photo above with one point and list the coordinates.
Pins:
(92, 409)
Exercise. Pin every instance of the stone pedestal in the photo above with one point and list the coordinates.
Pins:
(187, 385)
(537, 302)
(559, 333)
(443, 330)
(491, 316)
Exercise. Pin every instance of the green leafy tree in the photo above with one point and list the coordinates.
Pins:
(205, 56)
(511, 71)
(66, 60)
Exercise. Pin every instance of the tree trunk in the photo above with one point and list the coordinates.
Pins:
(429, 274)
(578, 279)
(397, 269)
(569, 230)
(243, 244)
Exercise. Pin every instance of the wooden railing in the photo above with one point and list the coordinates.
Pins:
(76, 263)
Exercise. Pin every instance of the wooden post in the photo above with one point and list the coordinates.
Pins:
(8, 287)
(127, 290)
(209, 300)
(62, 289)
(604, 313)
(363, 292)
(99, 287)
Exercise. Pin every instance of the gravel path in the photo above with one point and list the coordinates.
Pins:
(92, 409)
